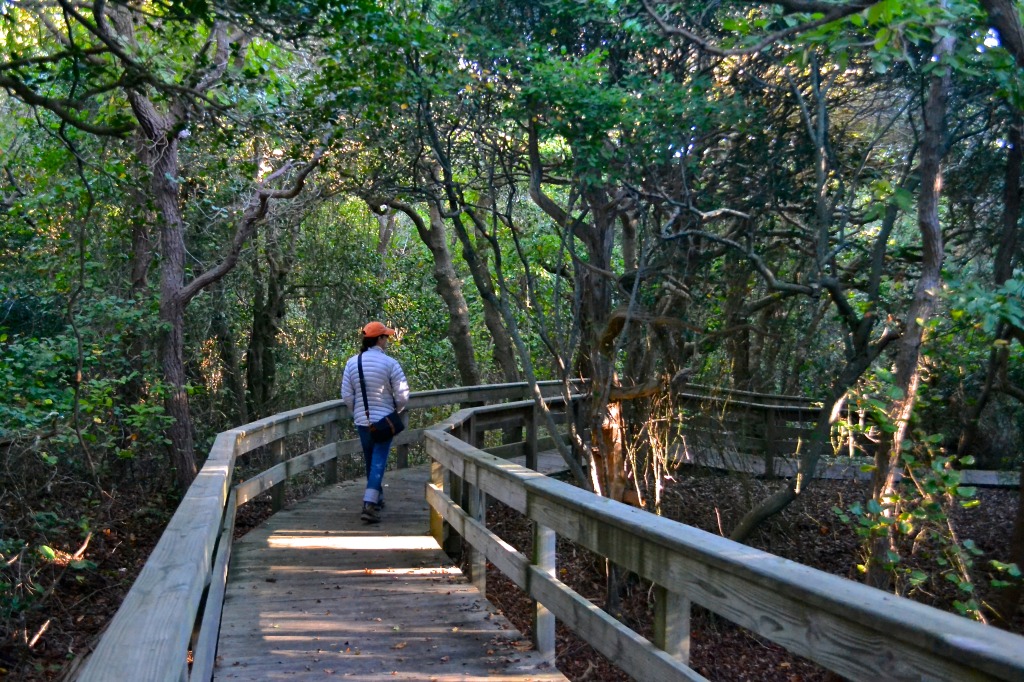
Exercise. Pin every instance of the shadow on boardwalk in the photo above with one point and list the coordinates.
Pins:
(314, 593)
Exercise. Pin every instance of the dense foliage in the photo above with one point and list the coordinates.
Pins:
(202, 202)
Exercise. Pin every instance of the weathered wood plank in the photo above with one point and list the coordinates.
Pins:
(268, 479)
(205, 647)
(839, 469)
(544, 561)
(750, 396)
(504, 556)
(156, 618)
(487, 392)
(812, 613)
(621, 645)
(270, 429)
(497, 477)
(672, 623)
(324, 595)
(148, 638)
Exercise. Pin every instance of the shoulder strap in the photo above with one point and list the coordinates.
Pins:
(362, 386)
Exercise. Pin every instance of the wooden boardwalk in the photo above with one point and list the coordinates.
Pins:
(316, 594)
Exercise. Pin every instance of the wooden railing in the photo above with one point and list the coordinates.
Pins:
(854, 630)
(174, 606)
(721, 425)
(764, 434)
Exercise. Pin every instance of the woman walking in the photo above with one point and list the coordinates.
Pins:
(374, 387)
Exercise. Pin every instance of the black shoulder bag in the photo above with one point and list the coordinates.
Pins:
(383, 429)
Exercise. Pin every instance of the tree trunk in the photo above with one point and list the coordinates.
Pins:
(738, 344)
(163, 162)
(504, 351)
(448, 287)
(594, 296)
(385, 230)
(1007, 601)
(1006, 19)
(907, 372)
(237, 410)
(1006, 252)
(269, 307)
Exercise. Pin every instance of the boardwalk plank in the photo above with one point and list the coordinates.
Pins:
(316, 594)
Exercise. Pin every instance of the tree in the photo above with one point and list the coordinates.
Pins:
(99, 52)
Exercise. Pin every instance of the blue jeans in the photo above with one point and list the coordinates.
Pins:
(375, 456)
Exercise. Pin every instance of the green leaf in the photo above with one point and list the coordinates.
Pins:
(903, 199)
(882, 38)
(47, 552)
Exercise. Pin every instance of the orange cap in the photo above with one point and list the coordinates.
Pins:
(375, 329)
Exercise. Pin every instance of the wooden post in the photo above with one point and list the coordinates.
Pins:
(474, 501)
(277, 492)
(771, 442)
(331, 466)
(577, 411)
(476, 559)
(452, 542)
(672, 624)
(543, 620)
(531, 438)
(402, 456)
(437, 524)
(472, 436)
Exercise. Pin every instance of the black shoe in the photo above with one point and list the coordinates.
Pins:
(370, 513)
(380, 504)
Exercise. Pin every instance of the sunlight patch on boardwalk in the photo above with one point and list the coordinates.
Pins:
(315, 594)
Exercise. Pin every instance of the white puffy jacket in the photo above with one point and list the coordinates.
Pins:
(386, 386)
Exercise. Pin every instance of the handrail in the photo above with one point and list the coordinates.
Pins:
(845, 626)
(857, 631)
(151, 634)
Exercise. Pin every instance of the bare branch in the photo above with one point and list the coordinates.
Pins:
(51, 58)
(769, 277)
(542, 200)
(62, 109)
(831, 13)
(257, 209)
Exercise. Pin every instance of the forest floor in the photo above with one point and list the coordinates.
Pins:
(46, 643)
